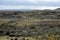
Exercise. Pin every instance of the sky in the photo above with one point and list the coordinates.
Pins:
(29, 4)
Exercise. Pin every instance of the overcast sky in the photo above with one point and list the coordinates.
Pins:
(29, 4)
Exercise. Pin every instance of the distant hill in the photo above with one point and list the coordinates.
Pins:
(57, 10)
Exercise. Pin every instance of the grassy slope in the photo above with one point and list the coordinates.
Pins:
(26, 20)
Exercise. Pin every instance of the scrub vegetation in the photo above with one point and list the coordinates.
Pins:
(30, 25)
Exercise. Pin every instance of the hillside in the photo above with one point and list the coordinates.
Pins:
(34, 25)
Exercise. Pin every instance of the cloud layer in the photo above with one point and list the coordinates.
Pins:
(33, 0)
(29, 4)
(27, 7)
